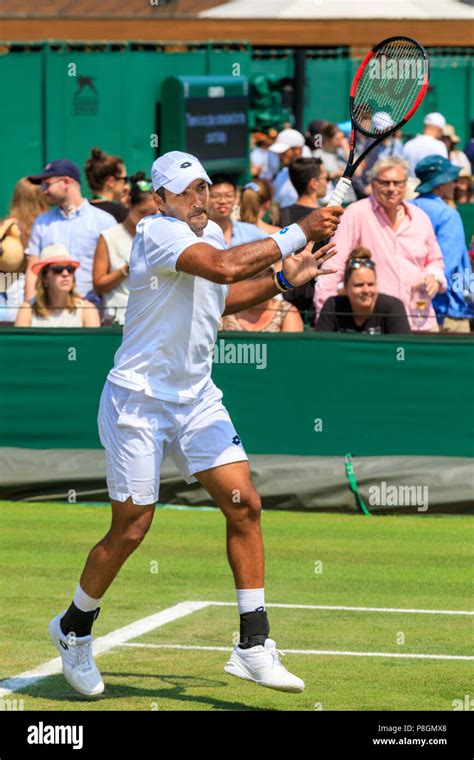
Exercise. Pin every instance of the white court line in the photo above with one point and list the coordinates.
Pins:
(307, 651)
(145, 625)
(102, 644)
(352, 609)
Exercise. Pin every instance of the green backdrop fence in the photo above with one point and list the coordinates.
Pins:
(313, 394)
(62, 98)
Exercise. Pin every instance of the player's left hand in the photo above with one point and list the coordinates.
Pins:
(432, 285)
(303, 266)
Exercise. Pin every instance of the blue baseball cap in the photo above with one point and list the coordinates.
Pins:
(433, 171)
(62, 167)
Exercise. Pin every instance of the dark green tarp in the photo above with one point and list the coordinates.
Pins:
(296, 394)
(388, 485)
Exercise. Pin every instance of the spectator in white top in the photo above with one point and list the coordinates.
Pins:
(11, 277)
(112, 254)
(456, 156)
(27, 203)
(263, 164)
(56, 303)
(288, 145)
(427, 144)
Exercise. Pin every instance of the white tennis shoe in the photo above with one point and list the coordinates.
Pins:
(79, 668)
(262, 665)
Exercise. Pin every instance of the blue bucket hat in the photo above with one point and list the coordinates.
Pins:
(433, 171)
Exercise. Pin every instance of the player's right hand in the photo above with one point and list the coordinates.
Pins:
(322, 223)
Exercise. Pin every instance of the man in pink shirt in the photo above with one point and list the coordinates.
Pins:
(402, 241)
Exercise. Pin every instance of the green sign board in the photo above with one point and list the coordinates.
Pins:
(208, 117)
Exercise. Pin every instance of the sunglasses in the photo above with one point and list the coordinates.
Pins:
(46, 184)
(358, 263)
(59, 269)
(125, 178)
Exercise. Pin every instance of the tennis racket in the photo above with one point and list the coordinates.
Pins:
(388, 87)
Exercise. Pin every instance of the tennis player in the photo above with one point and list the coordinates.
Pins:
(159, 400)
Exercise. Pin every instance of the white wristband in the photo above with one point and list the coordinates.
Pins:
(290, 239)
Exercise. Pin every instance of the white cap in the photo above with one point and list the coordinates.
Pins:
(435, 119)
(382, 121)
(288, 138)
(176, 170)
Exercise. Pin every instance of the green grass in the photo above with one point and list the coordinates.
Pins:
(417, 562)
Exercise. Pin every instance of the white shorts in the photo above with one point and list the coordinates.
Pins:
(138, 432)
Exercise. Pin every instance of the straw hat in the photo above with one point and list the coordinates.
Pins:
(11, 248)
(57, 253)
(449, 131)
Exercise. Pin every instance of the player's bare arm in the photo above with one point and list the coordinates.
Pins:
(298, 270)
(244, 261)
(228, 266)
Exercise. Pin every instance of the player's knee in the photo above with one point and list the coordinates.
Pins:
(133, 534)
(255, 505)
(247, 510)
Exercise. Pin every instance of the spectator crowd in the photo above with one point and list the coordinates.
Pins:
(401, 265)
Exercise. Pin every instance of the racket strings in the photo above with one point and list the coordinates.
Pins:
(389, 86)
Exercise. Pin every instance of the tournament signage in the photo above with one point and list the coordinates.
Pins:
(216, 127)
(208, 117)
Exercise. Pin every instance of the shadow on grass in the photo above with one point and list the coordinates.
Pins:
(55, 689)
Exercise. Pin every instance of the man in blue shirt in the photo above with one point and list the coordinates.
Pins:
(437, 178)
(223, 197)
(74, 222)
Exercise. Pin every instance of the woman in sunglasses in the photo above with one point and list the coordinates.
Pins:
(107, 178)
(56, 303)
(360, 309)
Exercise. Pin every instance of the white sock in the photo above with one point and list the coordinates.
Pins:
(249, 599)
(85, 602)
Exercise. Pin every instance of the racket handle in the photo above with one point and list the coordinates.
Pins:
(336, 199)
(339, 192)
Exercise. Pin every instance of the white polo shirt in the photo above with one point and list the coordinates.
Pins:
(172, 317)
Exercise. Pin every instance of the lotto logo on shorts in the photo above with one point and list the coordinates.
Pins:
(236, 440)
